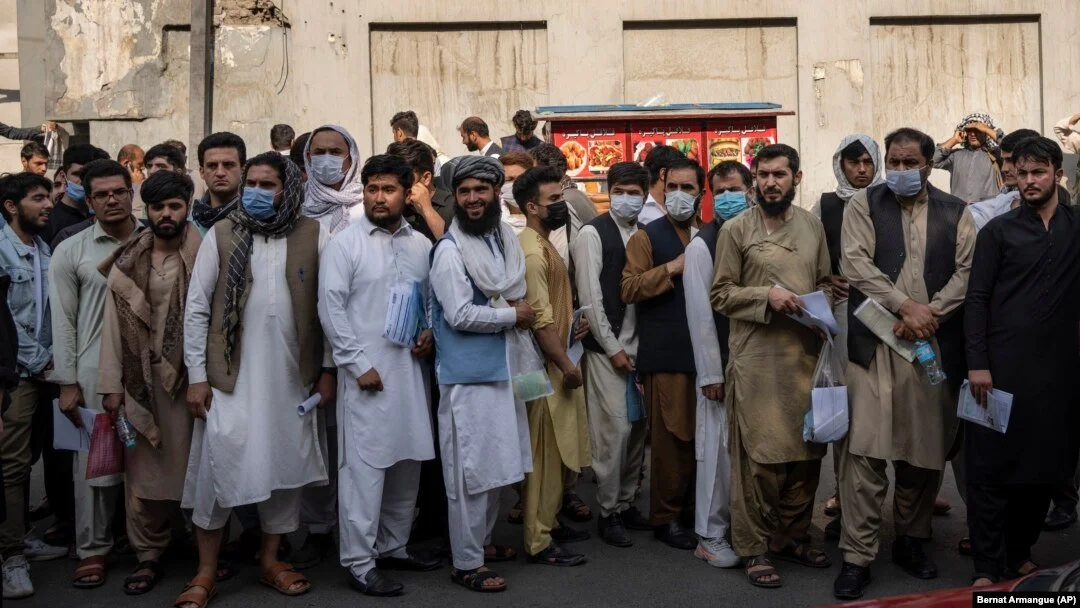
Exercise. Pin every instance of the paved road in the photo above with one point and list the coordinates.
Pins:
(649, 574)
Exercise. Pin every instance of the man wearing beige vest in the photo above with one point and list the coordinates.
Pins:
(253, 347)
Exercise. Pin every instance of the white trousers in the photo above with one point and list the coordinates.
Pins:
(712, 497)
(319, 507)
(94, 511)
(618, 446)
(279, 514)
(471, 518)
(375, 512)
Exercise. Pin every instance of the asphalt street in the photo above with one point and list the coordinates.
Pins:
(647, 574)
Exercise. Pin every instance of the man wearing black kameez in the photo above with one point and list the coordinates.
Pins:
(1021, 329)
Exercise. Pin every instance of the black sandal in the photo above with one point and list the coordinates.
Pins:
(225, 570)
(150, 580)
(516, 515)
(755, 577)
(473, 580)
(502, 554)
(804, 555)
(575, 508)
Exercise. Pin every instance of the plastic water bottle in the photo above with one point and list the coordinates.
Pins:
(929, 361)
(124, 429)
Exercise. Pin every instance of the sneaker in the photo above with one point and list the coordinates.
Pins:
(716, 551)
(37, 550)
(17, 578)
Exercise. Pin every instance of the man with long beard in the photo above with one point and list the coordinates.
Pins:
(764, 258)
(478, 286)
(141, 372)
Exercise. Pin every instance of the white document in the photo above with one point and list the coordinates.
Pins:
(308, 404)
(880, 321)
(828, 418)
(67, 436)
(404, 310)
(816, 312)
(574, 348)
(994, 416)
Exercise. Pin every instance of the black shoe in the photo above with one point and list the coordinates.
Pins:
(565, 534)
(612, 531)
(413, 563)
(852, 581)
(555, 555)
(1059, 519)
(675, 536)
(908, 553)
(634, 520)
(376, 584)
(314, 550)
(833, 529)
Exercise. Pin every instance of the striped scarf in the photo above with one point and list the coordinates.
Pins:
(244, 229)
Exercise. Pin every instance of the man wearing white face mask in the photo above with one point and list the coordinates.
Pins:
(616, 416)
(653, 280)
(332, 193)
(514, 164)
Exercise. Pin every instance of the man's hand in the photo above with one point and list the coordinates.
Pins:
(840, 286)
(1075, 119)
(782, 300)
(955, 140)
(621, 362)
(420, 197)
(713, 392)
(71, 399)
(47, 126)
(582, 330)
(675, 267)
(199, 396)
(425, 343)
(370, 381)
(572, 378)
(112, 402)
(326, 386)
(525, 315)
(984, 128)
(981, 385)
(920, 319)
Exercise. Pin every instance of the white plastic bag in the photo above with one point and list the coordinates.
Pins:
(827, 419)
(528, 375)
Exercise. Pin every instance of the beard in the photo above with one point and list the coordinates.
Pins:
(472, 147)
(385, 221)
(170, 231)
(777, 208)
(482, 225)
(32, 225)
(1040, 202)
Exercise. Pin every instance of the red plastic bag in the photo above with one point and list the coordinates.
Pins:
(106, 456)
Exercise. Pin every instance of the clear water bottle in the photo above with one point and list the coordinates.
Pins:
(929, 361)
(124, 429)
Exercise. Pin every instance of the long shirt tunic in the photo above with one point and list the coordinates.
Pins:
(252, 441)
(358, 270)
(973, 174)
(896, 414)
(772, 357)
(1021, 324)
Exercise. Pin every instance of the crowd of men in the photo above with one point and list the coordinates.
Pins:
(305, 338)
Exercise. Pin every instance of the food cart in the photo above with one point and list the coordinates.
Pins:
(594, 138)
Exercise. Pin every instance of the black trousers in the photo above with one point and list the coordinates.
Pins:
(1065, 494)
(58, 464)
(1004, 522)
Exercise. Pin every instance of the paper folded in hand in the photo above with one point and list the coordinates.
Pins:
(994, 416)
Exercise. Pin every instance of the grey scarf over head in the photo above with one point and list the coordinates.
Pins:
(844, 189)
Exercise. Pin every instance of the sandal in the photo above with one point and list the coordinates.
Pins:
(575, 508)
(156, 574)
(281, 577)
(516, 515)
(500, 554)
(804, 555)
(91, 566)
(832, 506)
(767, 570)
(199, 591)
(474, 579)
(225, 570)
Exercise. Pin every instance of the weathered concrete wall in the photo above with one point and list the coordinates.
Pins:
(10, 107)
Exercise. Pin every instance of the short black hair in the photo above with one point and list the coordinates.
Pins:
(270, 159)
(907, 134)
(32, 149)
(164, 185)
(170, 153)
(686, 163)
(98, 169)
(772, 151)
(176, 143)
(527, 185)
(1040, 149)
(853, 151)
(549, 155)
(523, 121)
(223, 139)
(727, 167)
(407, 122)
(418, 155)
(626, 174)
(296, 152)
(658, 159)
(82, 154)
(388, 164)
(475, 124)
(1009, 142)
(281, 136)
(16, 186)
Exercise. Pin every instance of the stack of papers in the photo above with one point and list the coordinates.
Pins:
(574, 348)
(816, 312)
(67, 436)
(994, 416)
(881, 323)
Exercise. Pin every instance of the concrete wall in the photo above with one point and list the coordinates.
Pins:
(843, 67)
(10, 111)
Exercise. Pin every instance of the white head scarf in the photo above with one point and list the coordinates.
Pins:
(320, 199)
(844, 189)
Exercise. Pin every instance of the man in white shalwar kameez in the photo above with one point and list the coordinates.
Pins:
(254, 351)
(384, 425)
(478, 286)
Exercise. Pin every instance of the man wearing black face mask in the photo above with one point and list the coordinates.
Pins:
(557, 424)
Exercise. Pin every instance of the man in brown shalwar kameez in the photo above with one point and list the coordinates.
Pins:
(142, 367)
(764, 259)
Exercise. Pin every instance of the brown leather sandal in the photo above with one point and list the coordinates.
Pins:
(91, 566)
(199, 591)
(281, 577)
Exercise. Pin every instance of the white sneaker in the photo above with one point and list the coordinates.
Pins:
(17, 578)
(717, 552)
(36, 550)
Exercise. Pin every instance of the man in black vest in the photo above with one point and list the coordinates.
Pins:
(617, 425)
(908, 246)
(652, 279)
(729, 182)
